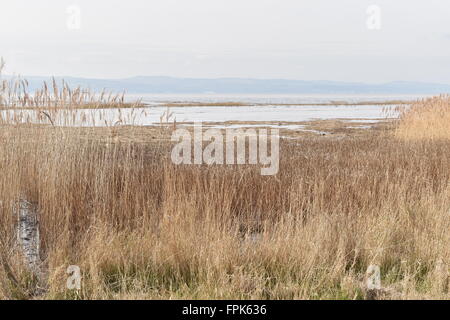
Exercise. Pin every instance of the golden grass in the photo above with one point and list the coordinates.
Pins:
(426, 119)
(140, 227)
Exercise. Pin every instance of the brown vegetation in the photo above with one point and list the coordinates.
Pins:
(140, 227)
(426, 119)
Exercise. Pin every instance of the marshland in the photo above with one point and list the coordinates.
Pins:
(108, 199)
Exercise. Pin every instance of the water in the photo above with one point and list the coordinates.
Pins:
(271, 98)
(153, 115)
(273, 110)
(269, 113)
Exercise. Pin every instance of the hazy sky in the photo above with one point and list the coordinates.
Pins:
(293, 39)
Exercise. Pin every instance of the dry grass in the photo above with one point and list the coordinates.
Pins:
(426, 119)
(140, 227)
(51, 99)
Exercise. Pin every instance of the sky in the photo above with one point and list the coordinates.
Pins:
(339, 40)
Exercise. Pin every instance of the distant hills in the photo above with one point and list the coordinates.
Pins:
(144, 84)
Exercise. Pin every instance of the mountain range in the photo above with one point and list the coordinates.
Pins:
(156, 84)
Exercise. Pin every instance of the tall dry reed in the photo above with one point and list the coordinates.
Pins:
(426, 119)
(141, 227)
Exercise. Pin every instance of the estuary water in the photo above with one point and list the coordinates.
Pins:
(283, 109)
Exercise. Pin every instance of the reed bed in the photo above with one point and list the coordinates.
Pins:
(140, 227)
(58, 104)
(426, 119)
